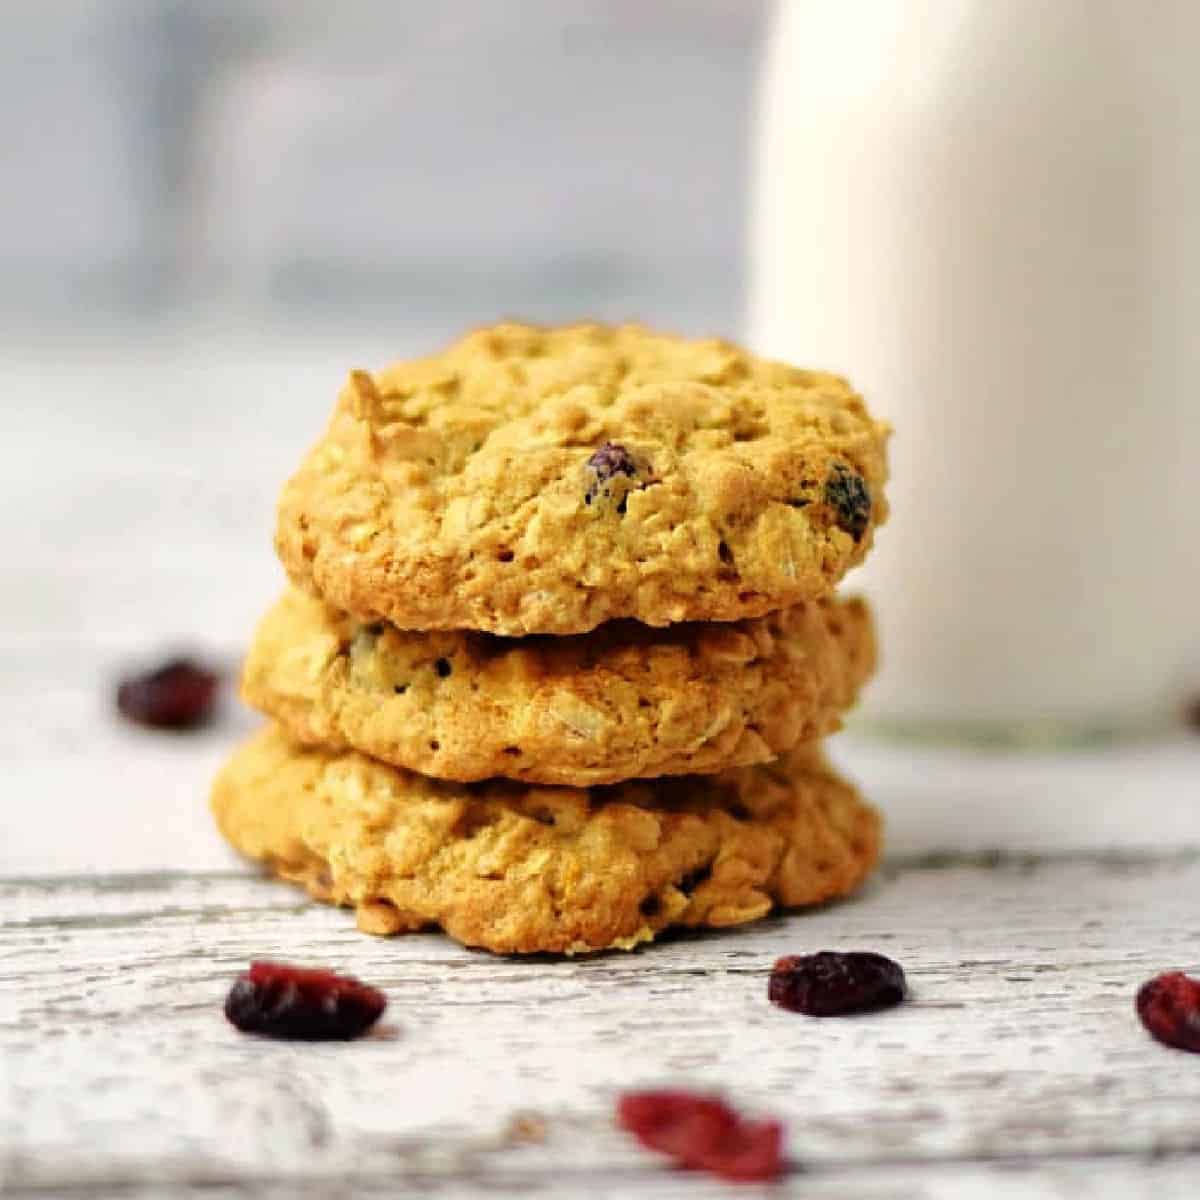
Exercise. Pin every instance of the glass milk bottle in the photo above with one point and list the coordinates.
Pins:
(987, 214)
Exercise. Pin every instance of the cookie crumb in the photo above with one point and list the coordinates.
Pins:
(525, 1129)
(379, 917)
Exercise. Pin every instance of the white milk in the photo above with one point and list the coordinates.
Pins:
(987, 214)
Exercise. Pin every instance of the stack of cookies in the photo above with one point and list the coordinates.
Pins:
(561, 642)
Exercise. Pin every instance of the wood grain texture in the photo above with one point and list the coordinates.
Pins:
(1096, 1179)
(1018, 1067)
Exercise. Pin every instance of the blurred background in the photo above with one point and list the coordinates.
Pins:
(425, 162)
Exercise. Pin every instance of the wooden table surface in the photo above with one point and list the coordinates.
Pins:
(1027, 897)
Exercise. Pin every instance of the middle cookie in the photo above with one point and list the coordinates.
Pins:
(624, 701)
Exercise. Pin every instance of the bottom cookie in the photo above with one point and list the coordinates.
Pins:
(516, 868)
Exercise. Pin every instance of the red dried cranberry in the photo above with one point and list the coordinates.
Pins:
(846, 492)
(1169, 1007)
(283, 1001)
(703, 1134)
(830, 984)
(180, 694)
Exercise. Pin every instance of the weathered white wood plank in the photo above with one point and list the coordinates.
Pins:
(1019, 1045)
(1172, 1178)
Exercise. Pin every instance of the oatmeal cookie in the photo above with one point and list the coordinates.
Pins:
(546, 480)
(623, 701)
(520, 869)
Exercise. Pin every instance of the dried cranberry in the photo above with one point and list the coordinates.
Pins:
(703, 1133)
(283, 1001)
(830, 984)
(612, 459)
(846, 492)
(180, 694)
(1169, 1007)
(605, 465)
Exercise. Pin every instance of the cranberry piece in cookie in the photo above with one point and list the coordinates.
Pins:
(612, 471)
(847, 494)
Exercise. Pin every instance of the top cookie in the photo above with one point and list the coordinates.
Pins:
(531, 480)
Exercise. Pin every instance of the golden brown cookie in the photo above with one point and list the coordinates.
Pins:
(531, 480)
(620, 702)
(519, 869)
